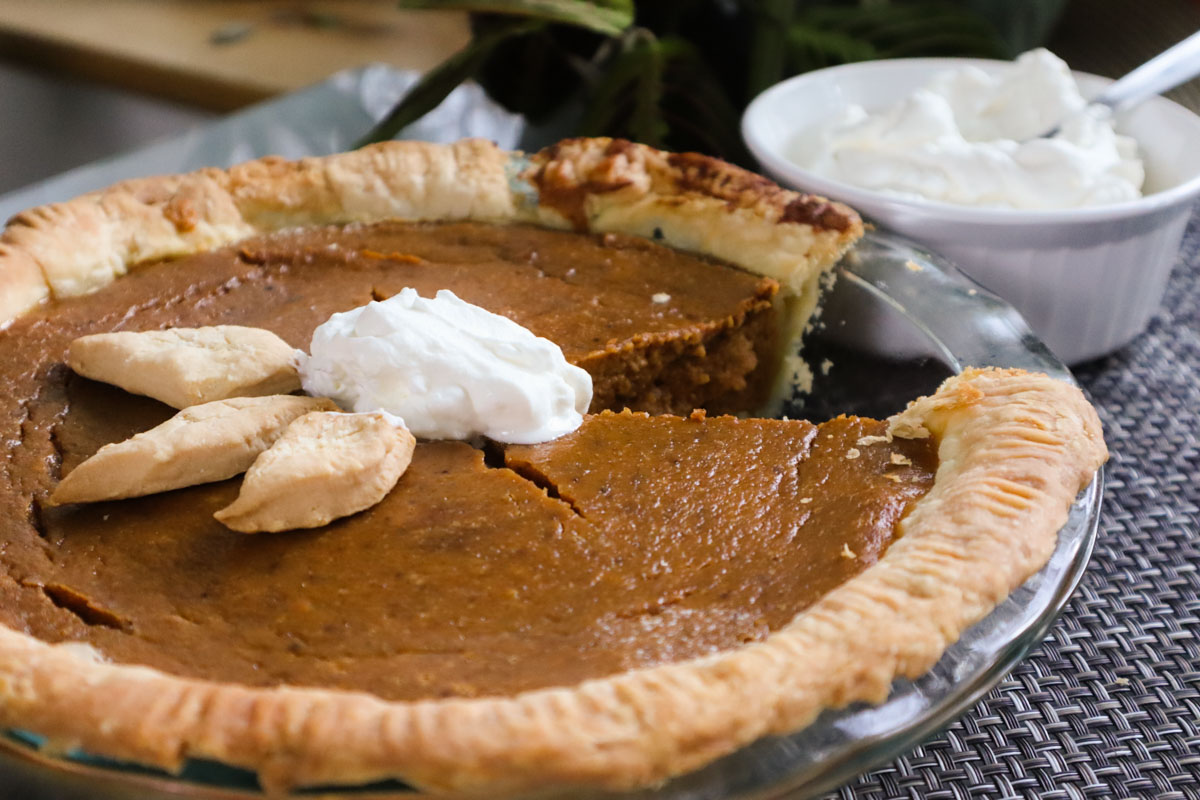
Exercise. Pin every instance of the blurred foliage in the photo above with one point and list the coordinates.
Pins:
(677, 73)
(1022, 24)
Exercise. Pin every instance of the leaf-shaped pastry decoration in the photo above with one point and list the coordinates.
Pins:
(324, 466)
(201, 444)
(187, 366)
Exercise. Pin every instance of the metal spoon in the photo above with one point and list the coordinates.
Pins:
(1165, 71)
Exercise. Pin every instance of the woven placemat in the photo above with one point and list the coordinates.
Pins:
(1109, 705)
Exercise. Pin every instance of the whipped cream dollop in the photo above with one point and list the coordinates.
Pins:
(448, 369)
(969, 138)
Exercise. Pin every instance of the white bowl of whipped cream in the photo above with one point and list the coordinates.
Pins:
(1079, 231)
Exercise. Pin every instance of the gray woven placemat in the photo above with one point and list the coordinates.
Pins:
(1109, 705)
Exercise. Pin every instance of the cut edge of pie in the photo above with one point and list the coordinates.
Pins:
(1014, 449)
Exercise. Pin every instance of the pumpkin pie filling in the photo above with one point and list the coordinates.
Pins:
(659, 330)
(631, 542)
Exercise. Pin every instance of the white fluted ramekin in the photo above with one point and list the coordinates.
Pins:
(1087, 280)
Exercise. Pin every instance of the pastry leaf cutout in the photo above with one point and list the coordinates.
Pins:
(308, 462)
(324, 466)
(201, 444)
(184, 367)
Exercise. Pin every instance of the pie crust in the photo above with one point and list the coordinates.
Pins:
(1014, 449)
(688, 201)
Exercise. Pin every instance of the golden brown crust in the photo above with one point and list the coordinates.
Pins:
(72, 248)
(1014, 450)
(581, 180)
(22, 284)
(85, 243)
(691, 202)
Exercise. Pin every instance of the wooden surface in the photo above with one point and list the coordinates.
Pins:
(221, 54)
(1111, 37)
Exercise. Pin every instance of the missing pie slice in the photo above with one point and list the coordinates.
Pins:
(610, 608)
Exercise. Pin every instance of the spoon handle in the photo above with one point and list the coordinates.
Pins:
(1165, 71)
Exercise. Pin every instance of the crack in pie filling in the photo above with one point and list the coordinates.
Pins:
(609, 608)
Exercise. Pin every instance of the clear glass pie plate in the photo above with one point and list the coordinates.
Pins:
(895, 323)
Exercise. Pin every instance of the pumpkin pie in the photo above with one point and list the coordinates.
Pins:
(610, 608)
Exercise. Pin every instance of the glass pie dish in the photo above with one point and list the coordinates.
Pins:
(896, 322)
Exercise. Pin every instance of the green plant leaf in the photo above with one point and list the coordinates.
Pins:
(891, 21)
(772, 18)
(538, 73)
(661, 92)
(435, 85)
(628, 93)
(810, 47)
(824, 35)
(609, 17)
(1022, 24)
(677, 72)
